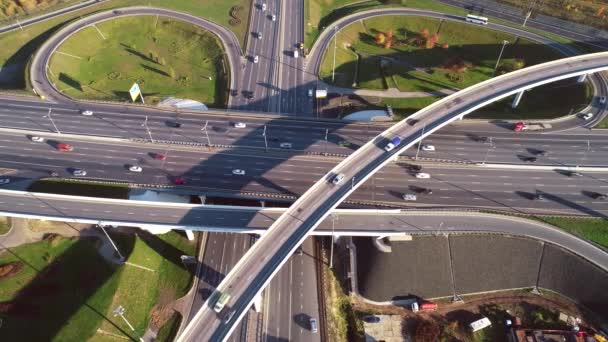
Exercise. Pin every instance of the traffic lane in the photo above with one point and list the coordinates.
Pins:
(305, 295)
(277, 325)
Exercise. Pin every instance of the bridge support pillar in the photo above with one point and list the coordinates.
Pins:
(582, 78)
(257, 303)
(190, 235)
(517, 99)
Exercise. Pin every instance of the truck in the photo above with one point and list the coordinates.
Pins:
(221, 302)
(521, 126)
(423, 306)
(392, 144)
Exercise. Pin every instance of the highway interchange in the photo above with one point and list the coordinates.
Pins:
(280, 171)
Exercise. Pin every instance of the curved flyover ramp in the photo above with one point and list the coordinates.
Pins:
(39, 63)
(255, 270)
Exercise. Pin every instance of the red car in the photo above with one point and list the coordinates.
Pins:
(519, 126)
(159, 156)
(179, 181)
(65, 147)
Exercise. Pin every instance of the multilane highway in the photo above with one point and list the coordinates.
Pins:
(262, 261)
(269, 175)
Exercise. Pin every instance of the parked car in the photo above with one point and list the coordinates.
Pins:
(86, 112)
(238, 172)
(37, 139)
(135, 168)
(338, 179)
(423, 175)
(79, 172)
(65, 147)
(240, 125)
(429, 148)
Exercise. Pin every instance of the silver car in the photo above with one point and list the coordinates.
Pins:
(79, 172)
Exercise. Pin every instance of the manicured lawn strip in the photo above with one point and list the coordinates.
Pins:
(166, 57)
(80, 188)
(168, 331)
(593, 229)
(4, 225)
(19, 45)
(40, 9)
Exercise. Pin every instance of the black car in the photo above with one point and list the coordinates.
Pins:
(530, 159)
(541, 153)
(174, 124)
(539, 196)
(574, 173)
(599, 196)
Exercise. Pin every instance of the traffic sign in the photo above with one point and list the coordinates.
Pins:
(134, 91)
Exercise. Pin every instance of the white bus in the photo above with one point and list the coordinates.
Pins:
(477, 19)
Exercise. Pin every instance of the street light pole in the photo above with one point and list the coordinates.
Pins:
(326, 133)
(52, 122)
(504, 42)
(488, 151)
(333, 70)
(145, 124)
(122, 258)
(265, 139)
(206, 133)
(120, 311)
(331, 253)
(420, 143)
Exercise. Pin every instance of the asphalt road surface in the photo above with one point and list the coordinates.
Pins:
(259, 264)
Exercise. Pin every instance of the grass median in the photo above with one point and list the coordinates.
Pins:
(592, 229)
(75, 290)
(19, 45)
(165, 57)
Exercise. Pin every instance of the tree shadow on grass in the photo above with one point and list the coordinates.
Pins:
(67, 79)
(61, 292)
(137, 53)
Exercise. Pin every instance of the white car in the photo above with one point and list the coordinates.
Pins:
(338, 179)
(238, 172)
(135, 168)
(86, 112)
(79, 172)
(4, 181)
(587, 116)
(389, 147)
(273, 17)
(259, 35)
(263, 6)
(423, 175)
(310, 92)
(602, 99)
(285, 145)
(240, 125)
(429, 148)
(256, 59)
(37, 139)
(409, 197)
(295, 54)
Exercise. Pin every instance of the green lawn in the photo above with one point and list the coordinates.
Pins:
(412, 67)
(165, 57)
(75, 290)
(4, 225)
(80, 188)
(593, 229)
(18, 46)
(168, 331)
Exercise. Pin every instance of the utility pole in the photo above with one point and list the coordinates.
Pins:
(52, 122)
(420, 143)
(333, 70)
(265, 139)
(122, 258)
(504, 42)
(120, 311)
(145, 124)
(326, 133)
(526, 18)
(206, 133)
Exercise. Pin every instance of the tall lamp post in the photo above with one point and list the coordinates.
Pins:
(120, 311)
(504, 42)
(52, 122)
(333, 70)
